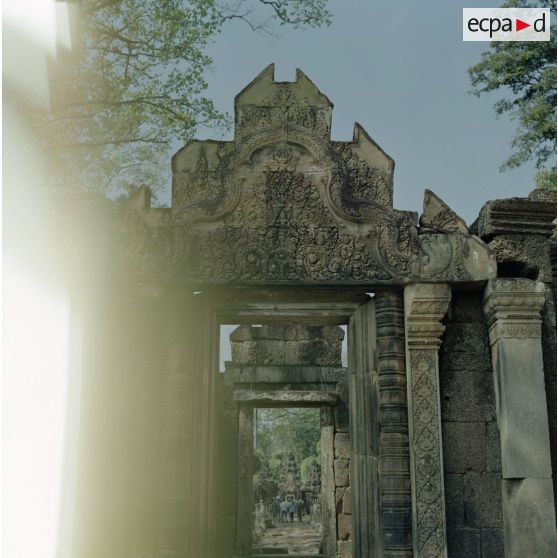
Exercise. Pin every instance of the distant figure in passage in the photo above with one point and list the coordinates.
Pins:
(300, 509)
(285, 504)
(275, 510)
(292, 509)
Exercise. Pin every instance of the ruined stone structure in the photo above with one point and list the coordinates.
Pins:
(442, 427)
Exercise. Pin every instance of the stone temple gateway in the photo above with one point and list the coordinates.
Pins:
(437, 440)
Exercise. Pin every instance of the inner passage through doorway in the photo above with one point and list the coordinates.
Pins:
(287, 481)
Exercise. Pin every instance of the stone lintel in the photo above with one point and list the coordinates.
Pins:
(283, 374)
(283, 397)
(294, 332)
(295, 345)
(516, 216)
(425, 307)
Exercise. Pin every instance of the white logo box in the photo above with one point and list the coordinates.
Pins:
(500, 24)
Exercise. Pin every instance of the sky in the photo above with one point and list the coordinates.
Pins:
(400, 70)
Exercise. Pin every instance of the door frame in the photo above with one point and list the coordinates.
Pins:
(312, 306)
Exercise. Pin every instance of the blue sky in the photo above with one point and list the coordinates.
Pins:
(400, 69)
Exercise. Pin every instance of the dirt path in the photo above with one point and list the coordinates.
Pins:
(298, 538)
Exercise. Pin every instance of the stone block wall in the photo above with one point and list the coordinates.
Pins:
(342, 468)
(472, 470)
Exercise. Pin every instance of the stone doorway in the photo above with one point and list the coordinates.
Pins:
(292, 372)
(376, 511)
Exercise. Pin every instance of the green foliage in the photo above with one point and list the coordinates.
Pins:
(546, 179)
(306, 468)
(283, 430)
(137, 82)
(526, 72)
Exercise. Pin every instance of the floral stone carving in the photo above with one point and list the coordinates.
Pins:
(284, 203)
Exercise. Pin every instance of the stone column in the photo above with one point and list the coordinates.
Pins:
(513, 308)
(425, 307)
(394, 438)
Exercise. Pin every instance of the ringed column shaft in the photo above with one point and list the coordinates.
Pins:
(425, 307)
(395, 496)
(513, 310)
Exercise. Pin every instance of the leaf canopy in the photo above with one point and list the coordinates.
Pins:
(526, 73)
(136, 82)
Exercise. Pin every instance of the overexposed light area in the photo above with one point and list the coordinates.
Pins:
(34, 18)
(344, 348)
(35, 385)
(62, 18)
(33, 29)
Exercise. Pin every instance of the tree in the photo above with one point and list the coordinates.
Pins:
(527, 72)
(306, 468)
(281, 430)
(136, 82)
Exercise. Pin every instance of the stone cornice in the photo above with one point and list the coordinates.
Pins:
(515, 216)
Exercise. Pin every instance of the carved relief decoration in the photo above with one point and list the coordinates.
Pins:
(430, 509)
(284, 203)
(425, 307)
(288, 235)
(519, 330)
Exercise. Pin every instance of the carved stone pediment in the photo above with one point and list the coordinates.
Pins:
(283, 203)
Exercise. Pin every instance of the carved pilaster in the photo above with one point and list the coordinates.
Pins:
(394, 442)
(513, 309)
(425, 307)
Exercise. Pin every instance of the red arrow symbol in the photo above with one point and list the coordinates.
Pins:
(519, 25)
